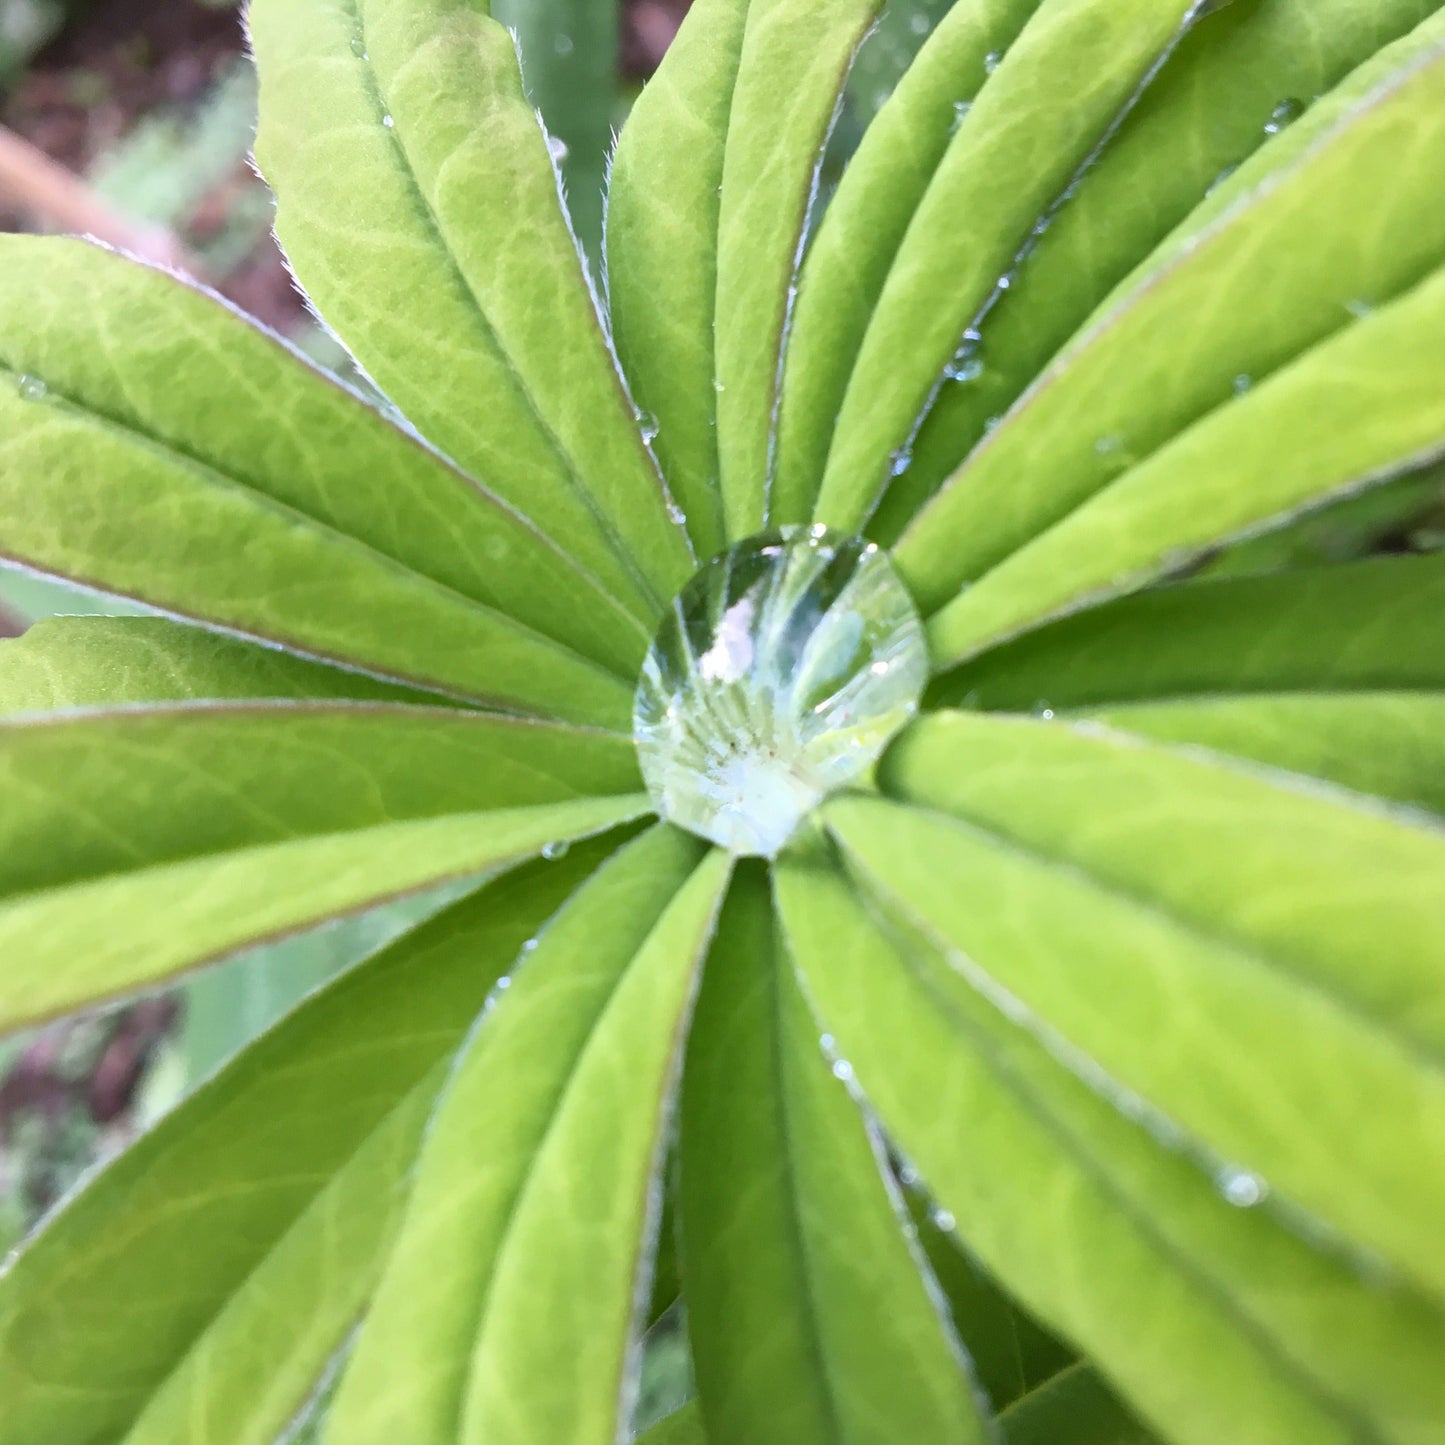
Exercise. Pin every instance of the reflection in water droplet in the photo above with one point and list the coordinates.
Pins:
(762, 694)
(1241, 1188)
(31, 388)
(1284, 114)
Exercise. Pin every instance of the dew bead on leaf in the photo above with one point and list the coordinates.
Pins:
(778, 676)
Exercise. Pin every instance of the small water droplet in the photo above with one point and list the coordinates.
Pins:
(531, 946)
(1004, 282)
(1042, 709)
(900, 461)
(563, 45)
(1220, 179)
(1242, 1188)
(389, 122)
(647, 424)
(1243, 383)
(358, 48)
(553, 851)
(943, 1220)
(557, 148)
(842, 1069)
(1107, 446)
(992, 61)
(965, 368)
(676, 514)
(826, 1043)
(992, 424)
(504, 983)
(961, 109)
(31, 388)
(1283, 115)
(1359, 309)
(718, 386)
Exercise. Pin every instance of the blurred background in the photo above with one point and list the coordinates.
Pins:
(133, 120)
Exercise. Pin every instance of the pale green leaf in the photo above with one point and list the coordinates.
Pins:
(1015, 157)
(1077, 1407)
(1362, 407)
(167, 917)
(506, 1310)
(662, 231)
(78, 662)
(1212, 951)
(682, 1427)
(1233, 83)
(1390, 745)
(861, 231)
(141, 353)
(277, 1184)
(794, 60)
(419, 203)
(1348, 194)
(1367, 627)
(808, 1316)
(94, 793)
(1212, 1319)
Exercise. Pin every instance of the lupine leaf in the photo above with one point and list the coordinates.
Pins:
(1348, 193)
(860, 233)
(1075, 1406)
(1389, 745)
(163, 919)
(1014, 158)
(418, 201)
(139, 354)
(1263, 1025)
(570, 63)
(808, 1316)
(76, 662)
(276, 1184)
(506, 1308)
(1367, 627)
(794, 61)
(1233, 82)
(1212, 1319)
(662, 231)
(1360, 408)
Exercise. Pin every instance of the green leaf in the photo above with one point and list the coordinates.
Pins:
(859, 236)
(95, 793)
(662, 230)
(1213, 954)
(682, 1427)
(152, 400)
(1360, 408)
(1367, 627)
(794, 61)
(1075, 1406)
(808, 1316)
(506, 1311)
(1215, 1321)
(163, 919)
(1020, 149)
(84, 662)
(1389, 745)
(1230, 85)
(277, 1184)
(1010, 1353)
(1349, 192)
(569, 63)
(418, 201)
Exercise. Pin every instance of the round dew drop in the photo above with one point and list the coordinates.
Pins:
(779, 675)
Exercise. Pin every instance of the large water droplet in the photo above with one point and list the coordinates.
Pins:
(779, 675)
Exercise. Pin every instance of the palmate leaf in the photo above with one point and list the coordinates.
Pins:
(1077, 1080)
